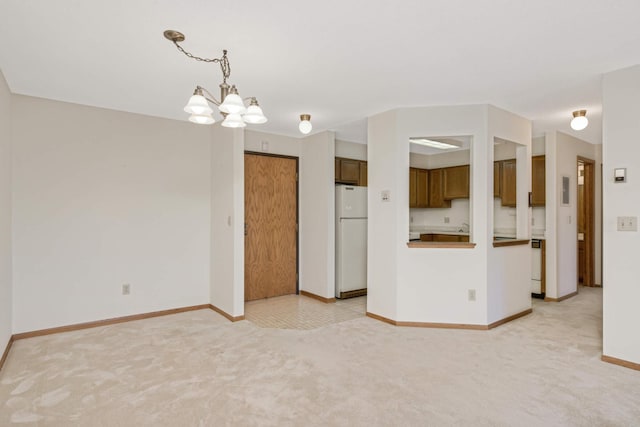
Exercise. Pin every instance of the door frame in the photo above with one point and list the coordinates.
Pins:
(589, 194)
(297, 159)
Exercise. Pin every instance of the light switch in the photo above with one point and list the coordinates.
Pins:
(627, 223)
(620, 175)
(385, 195)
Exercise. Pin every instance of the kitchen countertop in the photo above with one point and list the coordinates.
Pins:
(500, 233)
(439, 230)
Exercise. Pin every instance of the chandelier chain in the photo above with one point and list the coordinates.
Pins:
(224, 62)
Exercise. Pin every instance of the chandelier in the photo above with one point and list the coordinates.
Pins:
(236, 114)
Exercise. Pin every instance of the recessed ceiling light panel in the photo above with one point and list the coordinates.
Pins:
(441, 145)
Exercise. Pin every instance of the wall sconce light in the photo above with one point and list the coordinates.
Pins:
(305, 123)
(579, 120)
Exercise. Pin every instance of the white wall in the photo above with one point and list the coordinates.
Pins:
(509, 268)
(385, 165)
(226, 290)
(561, 156)
(350, 150)
(621, 91)
(538, 146)
(6, 306)
(275, 144)
(431, 285)
(317, 214)
(103, 198)
(423, 285)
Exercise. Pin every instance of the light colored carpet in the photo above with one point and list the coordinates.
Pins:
(198, 369)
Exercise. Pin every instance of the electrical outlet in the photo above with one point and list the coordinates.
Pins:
(446, 220)
(126, 289)
(471, 294)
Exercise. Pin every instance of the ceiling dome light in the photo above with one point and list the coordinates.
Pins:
(305, 123)
(579, 120)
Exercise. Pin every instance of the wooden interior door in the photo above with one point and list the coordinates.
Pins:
(271, 217)
(586, 223)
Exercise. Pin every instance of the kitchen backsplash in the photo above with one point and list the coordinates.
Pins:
(458, 213)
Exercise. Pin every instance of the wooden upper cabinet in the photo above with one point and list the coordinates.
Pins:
(363, 180)
(413, 187)
(418, 188)
(350, 171)
(436, 189)
(508, 183)
(497, 179)
(422, 180)
(538, 188)
(456, 182)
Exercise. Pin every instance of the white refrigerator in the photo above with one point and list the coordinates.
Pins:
(351, 241)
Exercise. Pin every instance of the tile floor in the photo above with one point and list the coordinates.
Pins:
(300, 312)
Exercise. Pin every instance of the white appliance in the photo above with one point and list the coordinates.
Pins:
(536, 268)
(351, 241)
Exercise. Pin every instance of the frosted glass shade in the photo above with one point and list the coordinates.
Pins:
(305, 126)
(233, 105)
(198, 105)
(233, 121)
(254, 115)
(579, 123)
(202, 119)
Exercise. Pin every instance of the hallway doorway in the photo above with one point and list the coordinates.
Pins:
(586, 221)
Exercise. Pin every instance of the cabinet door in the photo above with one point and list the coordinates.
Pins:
(337, 170)
(446, 238)
(497, 179)
(413, 187)
(537, 181)
(456, 182)
(436, 196)
(422, 188)
(508, 187)
(363, 174)
(349, 170)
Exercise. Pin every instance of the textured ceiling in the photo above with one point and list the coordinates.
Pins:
(340, 61)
